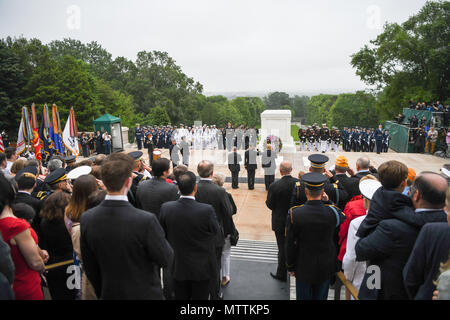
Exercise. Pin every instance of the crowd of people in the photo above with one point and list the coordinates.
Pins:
(385, 224)
(69, 215)
(352, 139)
(172, 235)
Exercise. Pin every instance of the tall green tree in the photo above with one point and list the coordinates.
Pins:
(353, 108)
(409, 58)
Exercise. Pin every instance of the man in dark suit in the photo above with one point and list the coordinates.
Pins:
(251, 166)
(152, 193)
(379, 138)
(190, 227)
(150, 196)
(26, 182)
(210, 193)
(363, 168)
(390, 244)
(123, 248)
(278, 199)
(310, 250)
(234, 158)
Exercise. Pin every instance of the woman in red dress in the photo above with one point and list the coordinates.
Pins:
(29, 260)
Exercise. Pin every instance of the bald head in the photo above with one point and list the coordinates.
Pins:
(285, 168)
(205, 169)
(429, 191)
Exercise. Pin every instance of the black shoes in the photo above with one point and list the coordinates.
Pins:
(276, 277)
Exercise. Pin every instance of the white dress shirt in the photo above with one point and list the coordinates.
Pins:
(116, 198)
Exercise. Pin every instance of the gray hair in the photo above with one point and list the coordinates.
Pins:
(219, 179)
(363, 163)
(54, 164)
(285, 167)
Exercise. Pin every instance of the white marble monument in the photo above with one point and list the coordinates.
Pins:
(278, 123)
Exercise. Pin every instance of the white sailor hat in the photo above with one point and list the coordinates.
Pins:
(78, 172)
(446, 172)
(368, 188)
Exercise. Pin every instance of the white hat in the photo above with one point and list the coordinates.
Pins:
(78, 172)
(368, 188)
(446, 172)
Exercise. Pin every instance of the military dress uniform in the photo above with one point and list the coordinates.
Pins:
(311, 252)
(139, 135)
(335, 190)
(136, 155)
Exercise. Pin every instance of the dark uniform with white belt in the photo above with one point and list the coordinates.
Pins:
(335, 191)
(310, 242)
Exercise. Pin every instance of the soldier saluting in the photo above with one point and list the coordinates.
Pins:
(335, 191)
(311, 254)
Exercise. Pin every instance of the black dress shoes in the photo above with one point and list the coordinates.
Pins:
(278, 277)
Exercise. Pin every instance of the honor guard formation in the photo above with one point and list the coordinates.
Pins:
(355, 139)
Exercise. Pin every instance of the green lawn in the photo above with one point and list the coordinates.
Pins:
(294, 132)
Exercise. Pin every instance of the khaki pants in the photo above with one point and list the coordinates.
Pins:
(433, 145)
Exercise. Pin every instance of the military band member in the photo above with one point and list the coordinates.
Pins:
(311, 139)
(336, 140)
(379, 138)
(302, 139)
(386, 141)
(324, 138)
(139, 134)
(311, 254)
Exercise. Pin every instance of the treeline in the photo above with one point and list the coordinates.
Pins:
(151, 90)
(409, 61)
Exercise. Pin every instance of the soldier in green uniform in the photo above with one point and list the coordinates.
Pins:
(311, 254)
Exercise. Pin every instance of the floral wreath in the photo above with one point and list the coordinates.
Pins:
(274, 141)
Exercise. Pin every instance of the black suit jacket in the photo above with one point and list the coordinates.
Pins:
(250, 159)
(36, 204)
(234, 159)
(191, 228)
(350, 184)
(152, 193)
(210, 193)
(278, 200)
(123, 249)
(389, 247)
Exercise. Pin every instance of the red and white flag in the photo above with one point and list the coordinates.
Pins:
(2, 146)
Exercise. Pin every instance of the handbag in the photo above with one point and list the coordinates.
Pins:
(234, 236)
(267, 165)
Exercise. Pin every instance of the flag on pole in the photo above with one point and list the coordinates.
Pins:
(44, 135)
(21, 138)
(35, 140)
(56, 131)
(2, 146)
(70, 134)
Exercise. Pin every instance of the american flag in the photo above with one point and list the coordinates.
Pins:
(2, 147)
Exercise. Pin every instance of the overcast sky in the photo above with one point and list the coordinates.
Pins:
(232, 45)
